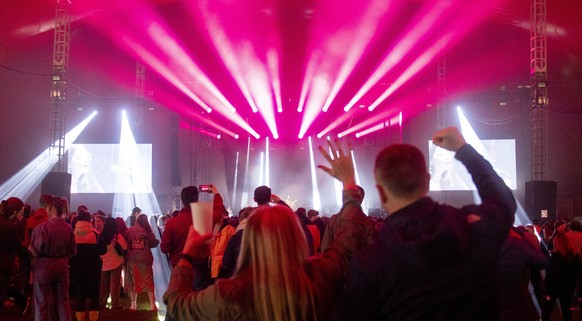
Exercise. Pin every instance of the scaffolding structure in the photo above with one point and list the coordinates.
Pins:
(539, 90)
(58, 89)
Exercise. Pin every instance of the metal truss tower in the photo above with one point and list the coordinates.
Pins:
(58, 90)
(539, 90)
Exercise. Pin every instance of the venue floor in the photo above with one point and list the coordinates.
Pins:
(142, 314)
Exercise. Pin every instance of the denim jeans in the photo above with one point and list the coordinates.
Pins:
(51, 288)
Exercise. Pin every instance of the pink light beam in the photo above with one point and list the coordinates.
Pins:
(335, 52)
(454, 31)
(248, 71)
(419, 28)
(273, 63)
(371, 19)
(412, 70)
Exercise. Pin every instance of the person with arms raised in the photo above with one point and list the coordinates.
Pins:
(274, 279)
(431, 261)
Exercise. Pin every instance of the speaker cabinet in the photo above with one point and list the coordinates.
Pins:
(57, 184)
(541, 200)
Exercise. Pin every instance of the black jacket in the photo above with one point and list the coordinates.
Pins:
(231, 255)
(515, 262)
(433, 261)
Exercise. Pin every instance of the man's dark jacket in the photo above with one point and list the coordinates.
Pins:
(433, 261)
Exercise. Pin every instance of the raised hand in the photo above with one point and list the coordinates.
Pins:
(341, 165)
(449, 138)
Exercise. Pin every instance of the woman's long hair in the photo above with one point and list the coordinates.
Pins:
(142, 220)
(109, 231)
(121, 227)
(273, 254)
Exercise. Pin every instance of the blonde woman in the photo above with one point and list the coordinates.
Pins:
(274, 278)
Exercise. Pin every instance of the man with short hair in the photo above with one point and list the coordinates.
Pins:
(135, 212)
(174, 236)
(176, 232)
(262, 195)
(432, 261)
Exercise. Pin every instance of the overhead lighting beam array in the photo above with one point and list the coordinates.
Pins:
(161, 51)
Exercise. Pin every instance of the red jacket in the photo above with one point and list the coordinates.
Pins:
(39, 216)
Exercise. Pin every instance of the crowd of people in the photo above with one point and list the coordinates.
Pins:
(423, 261)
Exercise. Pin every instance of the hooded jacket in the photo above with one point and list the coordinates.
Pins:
(85, 233)
(87, 259)
(39, 216)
